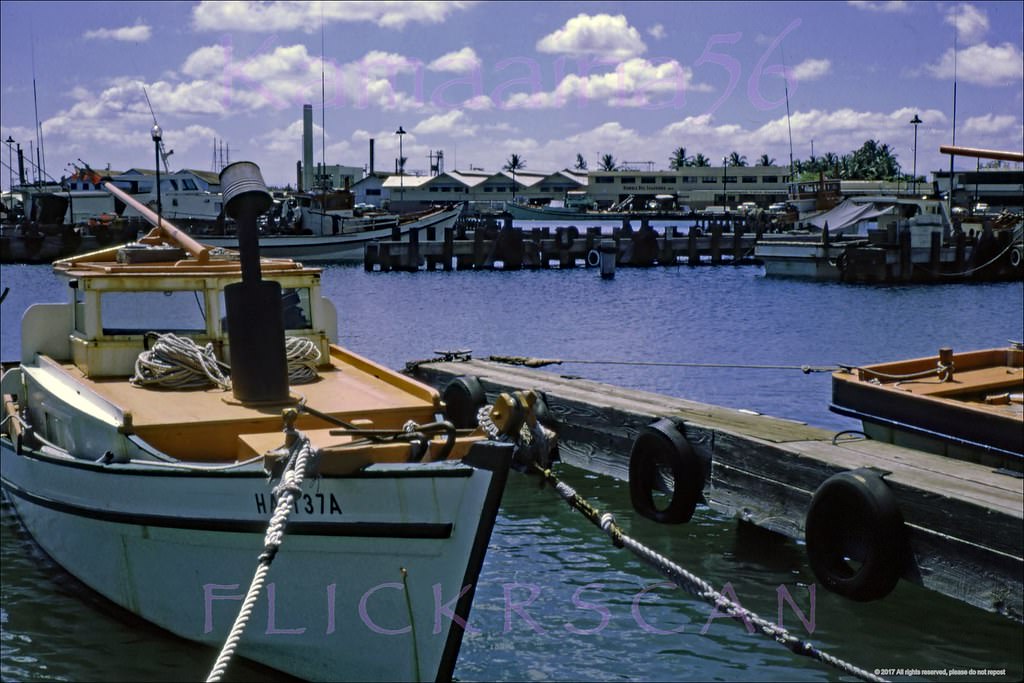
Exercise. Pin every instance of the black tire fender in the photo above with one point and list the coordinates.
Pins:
(857, 544)
(463, 397)
(566, 236)
(661, 448)
(593, 258)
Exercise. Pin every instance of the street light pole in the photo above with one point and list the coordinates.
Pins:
(157, 135)
(725, 183)
(10, 169)
(916, 121)
(401, 164)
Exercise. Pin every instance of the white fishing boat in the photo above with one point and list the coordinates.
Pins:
(345, 246)
(140, 464)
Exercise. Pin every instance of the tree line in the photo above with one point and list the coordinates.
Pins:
(871, 161)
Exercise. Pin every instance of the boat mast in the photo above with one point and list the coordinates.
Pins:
(323, 108)
(40, 156)
(949, 199)
(163, 152)
(789, 125)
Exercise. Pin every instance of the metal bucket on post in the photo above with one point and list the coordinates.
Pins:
(259, 364)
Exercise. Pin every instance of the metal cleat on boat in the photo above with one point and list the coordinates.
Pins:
(516, 417)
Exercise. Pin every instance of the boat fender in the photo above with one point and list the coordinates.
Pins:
(566, 236)
(463, 398)
(661, 447)
(1017, 257)
(593, 258)
(855, 516)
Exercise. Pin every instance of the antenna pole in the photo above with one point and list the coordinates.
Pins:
(323, 105)
(949, 199)
(40, 157)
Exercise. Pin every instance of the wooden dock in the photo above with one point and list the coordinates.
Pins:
(963, 521)
(489, 247)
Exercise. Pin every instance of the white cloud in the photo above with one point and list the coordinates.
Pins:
(971, 23)
(463, 61)
(634, 83)
(478, 103)
(880, 5)
(990, 123)
(265, 17)
(811, 69)
(207, 61)
(600, 35)
(982, 64)
(139, 33)
(657, 31)
(451, 123)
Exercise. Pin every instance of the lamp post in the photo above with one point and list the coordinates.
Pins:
(917, 121)
(157, 135)
(401, 164)
(725, 183)
(10, 170)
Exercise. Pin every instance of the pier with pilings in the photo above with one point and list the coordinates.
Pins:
(951, 526)
(493, 245)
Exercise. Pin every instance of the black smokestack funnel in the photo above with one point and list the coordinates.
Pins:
(259, 364)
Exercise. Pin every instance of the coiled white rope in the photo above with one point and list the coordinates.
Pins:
(303, 358)
(179, 363)
(286, 492)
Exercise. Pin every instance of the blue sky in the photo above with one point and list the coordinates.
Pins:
(483, 80)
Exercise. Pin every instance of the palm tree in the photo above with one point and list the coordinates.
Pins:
(581, 163)
(608, 162)
(700, 160)
(678, 159)
(830, 163)
(765, 160)
(737, 159)
(514, 163)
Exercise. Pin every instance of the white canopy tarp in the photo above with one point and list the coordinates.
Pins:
(846, 215)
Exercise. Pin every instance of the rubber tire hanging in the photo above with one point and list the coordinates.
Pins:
(855, 516)
(661, 446)
(463, 397)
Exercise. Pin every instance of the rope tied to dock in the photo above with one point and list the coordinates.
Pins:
(531, 362)
(695, 585)
(300, 452)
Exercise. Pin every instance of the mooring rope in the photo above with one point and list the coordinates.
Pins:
(286, 492)
(541, 362)
(694, 584)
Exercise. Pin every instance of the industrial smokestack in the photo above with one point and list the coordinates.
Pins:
(307, 147)
(371, 156)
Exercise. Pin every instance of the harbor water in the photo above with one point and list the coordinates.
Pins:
(555, 600)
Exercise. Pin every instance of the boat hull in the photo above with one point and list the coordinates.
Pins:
(972, 416)
(366, 585)
(340, 248)
(802, 259)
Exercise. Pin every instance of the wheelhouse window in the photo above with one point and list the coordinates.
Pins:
(136, 313)
(79, 307)
(295, 309)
